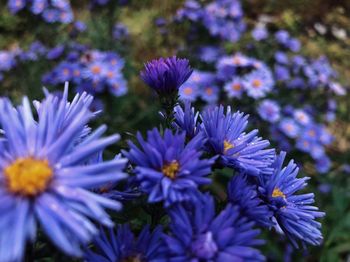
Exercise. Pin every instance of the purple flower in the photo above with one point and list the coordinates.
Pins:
(260, 33)
(16, 5)
(168, 169)
(120, 31)
(289, 127)
(166, 75)
(282, 37)
(323, 164)
(226, 137)
(55, 52)
(209, 94)
(197, 234)
(269, 110)
(122, 245)
(293, 213)
(234, 88)
(186, 120)
(189, 91)
(46, 176)
(259, 82)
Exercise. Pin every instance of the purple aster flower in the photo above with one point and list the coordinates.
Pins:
(226, 137)
(289, 127)
(337, 89)
(192, 10)
(259, 82)
(294, 214)
(120, 31)
(325, 188)
(166, 75)
(189, 91)
(16, 5)
(119, 87)
(80, 26)
(7, 60)
(281, 73)
(122, 245)
(38, 6)
(269, 110)
(281, 57)
(323, 164)
(234, 88)
(210, 93)
(168, 169)
(282, 37)
(293, 44)
(260, 33)
(186, 120)
(51, 15)
(197, 234)
(46, 178)
(302, 117)
(245, 195)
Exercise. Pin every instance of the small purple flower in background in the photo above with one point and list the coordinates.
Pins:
(269, 110)
(281, 57)
(120, 31)
(55, 52)
(289, 127)
(80, 26)
(16, 5)
(260, 33)
(188, 91)
(197, 234)
(323, 164)
(168, 169)
(7, 60)
(294, 214)
(294, 45)
(234, 88)
(209, 94)
(282, 37)
(166, 75)
(122, 245)
(302, 117)
(259, 82)
(282, 73)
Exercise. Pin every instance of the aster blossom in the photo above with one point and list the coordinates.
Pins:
(245, 152)
(122, 245)
(294, 214)
(45, 175)
(166, 75)
(168, 169)
(197, 234)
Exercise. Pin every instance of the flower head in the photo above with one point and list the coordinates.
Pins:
(45, 175)
(197, 234)
(294, 213)
(186, 120)
(226, 137)
(269, 110)
(166, 75)
(122, 245)
(168, 169)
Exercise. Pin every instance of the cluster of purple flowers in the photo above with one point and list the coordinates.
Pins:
(222, 18)
(172, 167)
(9, 59)
(53, 173)
(92, 71)
(51, 11)
(281, 72)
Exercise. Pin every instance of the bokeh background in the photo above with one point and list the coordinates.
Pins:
(34, 47)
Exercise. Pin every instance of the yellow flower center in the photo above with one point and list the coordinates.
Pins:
(188, 90)
(171, 170)
(96, 69)
(236, 87)
(28, 176)
(256, 83)
(227, 146)
(209, 91)
(278, 193)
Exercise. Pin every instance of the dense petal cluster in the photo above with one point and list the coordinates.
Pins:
(294, 214)
(166, 75)
(45, 175)
(122, 245)
(198, 234)
(226, 137)
(168, 169)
